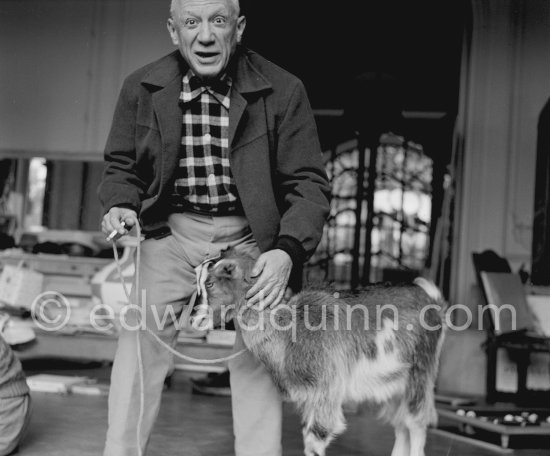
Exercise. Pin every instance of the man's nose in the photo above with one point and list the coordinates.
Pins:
(205, 34)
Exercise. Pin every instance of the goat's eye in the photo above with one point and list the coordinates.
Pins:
(209, 284)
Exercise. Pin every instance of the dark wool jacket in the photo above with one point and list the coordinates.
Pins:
(274, 154)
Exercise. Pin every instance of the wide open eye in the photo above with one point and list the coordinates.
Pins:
(220, 20)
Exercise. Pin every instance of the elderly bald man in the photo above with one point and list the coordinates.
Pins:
(211, 146)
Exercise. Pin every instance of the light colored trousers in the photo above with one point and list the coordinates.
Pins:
(15, 413)
(168, 278)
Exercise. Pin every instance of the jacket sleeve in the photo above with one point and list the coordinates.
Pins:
(302, 180)
(121, 185)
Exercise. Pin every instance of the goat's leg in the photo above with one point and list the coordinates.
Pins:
(418, 422)
(401, 447)
(418, 439)
(322, 423)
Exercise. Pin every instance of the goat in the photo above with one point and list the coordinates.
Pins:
(323, 350)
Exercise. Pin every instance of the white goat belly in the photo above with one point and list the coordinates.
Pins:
(381, 378)
(376, 380)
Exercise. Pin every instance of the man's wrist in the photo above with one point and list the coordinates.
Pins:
(124, 206)
(293, 248)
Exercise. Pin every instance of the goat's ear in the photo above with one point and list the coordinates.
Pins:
(229, 269)
(225, 269)
(248, 277)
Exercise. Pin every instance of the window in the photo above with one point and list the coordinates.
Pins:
(34, 212)
(402, 214)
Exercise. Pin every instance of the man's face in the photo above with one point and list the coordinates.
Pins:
(206, 33)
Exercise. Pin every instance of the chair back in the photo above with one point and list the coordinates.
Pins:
(504, 291)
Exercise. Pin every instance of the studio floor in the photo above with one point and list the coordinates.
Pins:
(197, 425)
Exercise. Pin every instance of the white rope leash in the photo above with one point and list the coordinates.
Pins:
(155, 336)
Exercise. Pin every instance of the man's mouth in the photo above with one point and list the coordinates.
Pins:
(206, 55)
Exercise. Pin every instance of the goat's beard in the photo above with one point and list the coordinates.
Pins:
(231, 311)
(238, 312)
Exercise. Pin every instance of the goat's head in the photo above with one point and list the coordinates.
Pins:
(226, 284)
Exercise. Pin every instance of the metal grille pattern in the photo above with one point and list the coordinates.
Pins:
(402, 214)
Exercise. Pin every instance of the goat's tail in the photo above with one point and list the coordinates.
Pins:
(430, 288)
(433, 292)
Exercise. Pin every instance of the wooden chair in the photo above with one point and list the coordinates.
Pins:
(502, 287)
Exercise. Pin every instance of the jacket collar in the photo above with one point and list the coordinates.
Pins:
(247, 78)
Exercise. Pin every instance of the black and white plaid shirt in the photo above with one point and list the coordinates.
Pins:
(203, 179)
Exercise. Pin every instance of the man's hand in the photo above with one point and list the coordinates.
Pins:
(272, 270)
(112, 220)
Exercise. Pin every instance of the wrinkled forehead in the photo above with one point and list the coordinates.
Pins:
(229, 7)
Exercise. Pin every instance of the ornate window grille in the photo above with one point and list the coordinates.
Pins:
(400, 227)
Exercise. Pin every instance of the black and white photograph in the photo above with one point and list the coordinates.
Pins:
(252, 228)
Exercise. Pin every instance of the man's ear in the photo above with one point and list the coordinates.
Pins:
(241, 25)
(171, 26)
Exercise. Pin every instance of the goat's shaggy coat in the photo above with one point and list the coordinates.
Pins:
(380, 345)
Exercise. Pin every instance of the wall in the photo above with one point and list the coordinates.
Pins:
(505, 84)
(63, 62)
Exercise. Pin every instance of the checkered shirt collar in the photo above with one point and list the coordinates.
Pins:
(193, 87)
